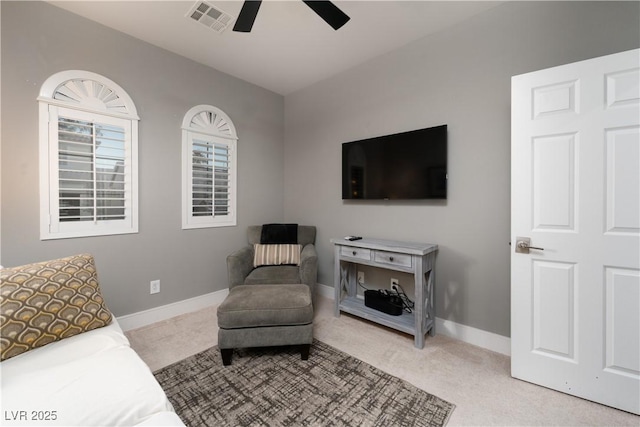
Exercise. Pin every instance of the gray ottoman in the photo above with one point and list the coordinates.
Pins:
(264, 316)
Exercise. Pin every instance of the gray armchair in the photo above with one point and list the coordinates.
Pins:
(270, 305)
(241, 270)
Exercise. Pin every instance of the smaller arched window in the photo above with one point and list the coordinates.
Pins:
(208, 168)
(88, 157)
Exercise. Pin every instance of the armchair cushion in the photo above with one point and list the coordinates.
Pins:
(273, 274)
(276, 255)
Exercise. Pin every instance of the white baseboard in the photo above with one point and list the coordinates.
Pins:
(468, 334)
(157, 314)
(325, 291)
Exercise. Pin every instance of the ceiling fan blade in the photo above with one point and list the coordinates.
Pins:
(329, 12)
(247, 16)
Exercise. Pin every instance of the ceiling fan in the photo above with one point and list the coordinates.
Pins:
(325, 9)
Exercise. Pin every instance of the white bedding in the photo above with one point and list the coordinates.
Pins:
(94, 378)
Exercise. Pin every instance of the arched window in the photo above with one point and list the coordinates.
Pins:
(88, 157)
(208, 168)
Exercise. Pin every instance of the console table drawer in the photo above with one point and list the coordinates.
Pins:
(356, 252)
(392, 258)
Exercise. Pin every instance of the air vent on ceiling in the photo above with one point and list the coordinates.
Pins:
(210, 16)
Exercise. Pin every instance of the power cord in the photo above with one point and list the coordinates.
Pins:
(407, 304)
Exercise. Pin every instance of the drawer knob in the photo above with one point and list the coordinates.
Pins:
(390, 258)
(354, 252)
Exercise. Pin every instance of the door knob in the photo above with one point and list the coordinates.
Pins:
(523, 244)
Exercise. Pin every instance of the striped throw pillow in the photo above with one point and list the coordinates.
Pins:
(276, 254)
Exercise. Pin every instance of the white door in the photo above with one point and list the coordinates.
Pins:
(575, 192)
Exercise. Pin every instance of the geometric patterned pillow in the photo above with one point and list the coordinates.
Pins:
(276, 254)
(48, 301)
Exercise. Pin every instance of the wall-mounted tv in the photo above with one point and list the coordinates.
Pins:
(404, 166)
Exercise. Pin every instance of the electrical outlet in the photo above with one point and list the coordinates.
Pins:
(155, 287)
(361, 277)
(394, 284)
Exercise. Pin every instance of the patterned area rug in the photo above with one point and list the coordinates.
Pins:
(274, 387)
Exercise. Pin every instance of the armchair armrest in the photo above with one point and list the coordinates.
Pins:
(239, 265)
(309, 266)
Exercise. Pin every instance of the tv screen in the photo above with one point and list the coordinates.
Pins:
(404, 166)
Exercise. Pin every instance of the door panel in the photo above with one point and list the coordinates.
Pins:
(576, 193)
(554, 181)
(554, 309)
(622, 168)
(621, 309)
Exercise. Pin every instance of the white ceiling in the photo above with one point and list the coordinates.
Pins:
(290, 47)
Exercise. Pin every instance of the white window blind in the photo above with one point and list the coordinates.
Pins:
(91, 166)
(210, 179)
(209, 169)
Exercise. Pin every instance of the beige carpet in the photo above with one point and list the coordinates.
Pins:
(477, 381)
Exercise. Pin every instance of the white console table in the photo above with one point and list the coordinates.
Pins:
(415, 258)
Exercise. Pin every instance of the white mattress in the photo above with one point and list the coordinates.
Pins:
(94, 378)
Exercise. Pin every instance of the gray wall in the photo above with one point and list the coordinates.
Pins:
(39, 40)
(460, 77)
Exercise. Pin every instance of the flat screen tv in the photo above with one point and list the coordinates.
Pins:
(404, 166)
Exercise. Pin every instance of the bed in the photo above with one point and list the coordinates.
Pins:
(65, 359)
